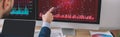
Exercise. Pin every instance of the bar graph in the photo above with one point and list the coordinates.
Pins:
(21, 7)
(25, 11)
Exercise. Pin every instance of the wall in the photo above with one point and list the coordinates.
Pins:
(110, 14)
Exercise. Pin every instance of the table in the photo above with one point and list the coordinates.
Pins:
(85, 33)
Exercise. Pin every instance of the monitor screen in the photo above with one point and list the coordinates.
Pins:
(18, 28)
(80, 11)
(22, 9)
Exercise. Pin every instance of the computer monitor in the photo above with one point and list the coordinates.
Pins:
(80, 14)
(77, 11)
(22, 9)
(69, 13)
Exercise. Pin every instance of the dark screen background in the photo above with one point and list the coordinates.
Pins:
(83, 11)
(18, 28)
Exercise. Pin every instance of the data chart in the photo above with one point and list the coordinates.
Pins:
(22, 9)
(87, 11)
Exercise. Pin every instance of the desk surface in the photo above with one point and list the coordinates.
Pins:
(85, 33)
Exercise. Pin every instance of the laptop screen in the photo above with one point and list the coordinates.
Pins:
(17, 28)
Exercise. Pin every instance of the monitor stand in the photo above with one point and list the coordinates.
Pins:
(68, 31)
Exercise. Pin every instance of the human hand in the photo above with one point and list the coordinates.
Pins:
(48, 16)
(5, 7)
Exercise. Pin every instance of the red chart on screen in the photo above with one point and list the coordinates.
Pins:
(71, 10)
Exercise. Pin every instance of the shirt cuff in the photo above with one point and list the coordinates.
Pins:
(46, 24)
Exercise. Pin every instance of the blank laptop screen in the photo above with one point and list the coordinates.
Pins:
(17, 28)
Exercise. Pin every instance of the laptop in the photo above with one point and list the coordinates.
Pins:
(18, 28)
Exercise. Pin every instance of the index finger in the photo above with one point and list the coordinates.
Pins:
(50, 10)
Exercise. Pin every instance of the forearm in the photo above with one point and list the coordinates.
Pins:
(46, 24)
(45, 30)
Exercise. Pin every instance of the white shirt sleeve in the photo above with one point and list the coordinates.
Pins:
(46, 24)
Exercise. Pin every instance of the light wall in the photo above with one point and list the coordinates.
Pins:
(110, 14)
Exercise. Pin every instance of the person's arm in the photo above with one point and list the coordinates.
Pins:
(47, 19)
(45, 30)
